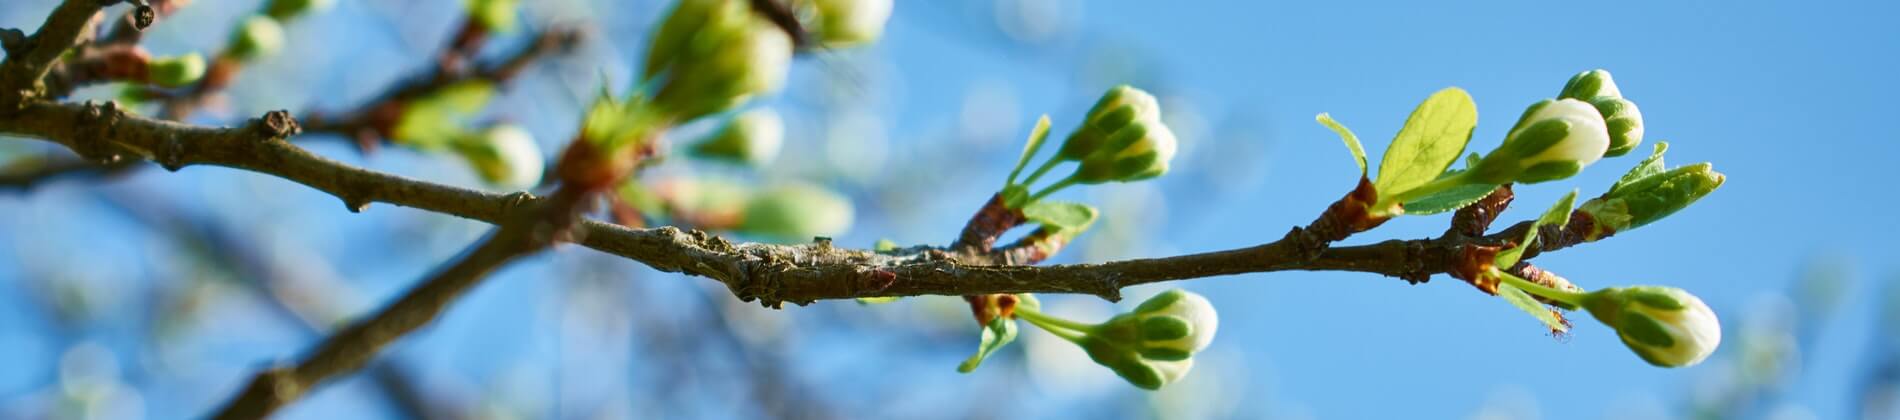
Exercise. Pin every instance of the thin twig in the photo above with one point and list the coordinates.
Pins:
(355, 346)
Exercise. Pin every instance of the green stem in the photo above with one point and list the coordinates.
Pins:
(1059, 185)
(1046, 166)
(1069, 330)
(1565, 296)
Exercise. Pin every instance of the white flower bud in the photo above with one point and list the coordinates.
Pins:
(505, 155)
(844, 23)
(754, 137)
(1194, 311)
(1666, 326)
(1136, 152)
(1583, 143)
(1553, 140)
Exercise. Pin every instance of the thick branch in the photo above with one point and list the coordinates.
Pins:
(770, 273)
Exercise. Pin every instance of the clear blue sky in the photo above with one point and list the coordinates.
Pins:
(1791, 100)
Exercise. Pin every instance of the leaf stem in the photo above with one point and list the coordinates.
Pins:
(1059, 185)
(1067, 329)
(1565, 296)
(1046, 166)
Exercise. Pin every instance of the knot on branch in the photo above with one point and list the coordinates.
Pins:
(14, 41)
(142, 14)
(277, 125)
(99, 122)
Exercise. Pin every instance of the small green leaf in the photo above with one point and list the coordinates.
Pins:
(1517, 297)
(1352, 141)
(877, 300)
(1433, 137)
(1000, 332)
(1060, 216)
(1450, 199)
(1558, 215)
(1036, 137)
(1650, 166)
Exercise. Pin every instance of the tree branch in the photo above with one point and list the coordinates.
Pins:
(771, 273)
(29, 59)
(353, 347)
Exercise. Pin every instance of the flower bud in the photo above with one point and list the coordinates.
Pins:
(285, 10)
(1651, 198)
(1553, 140)
(846, 23)
(1155, 344)
(256, 37)
(1138, 151)
(1589, 85)
(177, 70)
(715, 55)
(797, 212)
(1120, 106)
(751, 138)
(1666, 326)
(1624, 121)
(505, 156)
(494, 15)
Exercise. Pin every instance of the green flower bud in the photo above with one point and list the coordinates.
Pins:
(797, 212)
(751, 138)
(176, 71)
(1155, 344)
(1624, 121)
(495, 15)
(285, 10)
(1117, 108)
(1136, 152)
(715, 57)
(1590, 85)
(704, 203)
(683, 24)
(846, 23)
(1553, 140)
(257, 37)
(1666, 326)
(1650, 198)
(504, 156)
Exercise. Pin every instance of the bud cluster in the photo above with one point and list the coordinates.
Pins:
(1150, 347)
(1122, 139)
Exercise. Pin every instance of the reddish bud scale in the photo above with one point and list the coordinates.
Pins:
(1473, 262)
(988, 308)
(587, 167)
(990, 222)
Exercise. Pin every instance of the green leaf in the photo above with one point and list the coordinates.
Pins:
(1558, 215)
(1651, 165)
(1352, 141)
(1060, 216)
(877, 300)
(1517, 297)
(1000, 332)
(1036, 137)
(1450, 199)
(1433, 137)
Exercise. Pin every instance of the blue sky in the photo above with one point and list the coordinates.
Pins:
(1790, 100)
